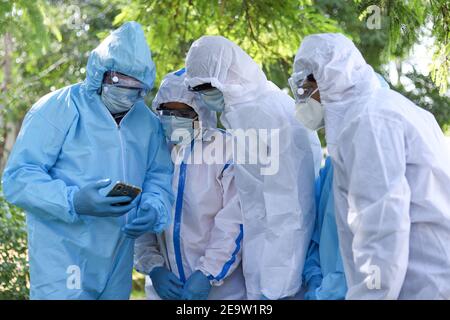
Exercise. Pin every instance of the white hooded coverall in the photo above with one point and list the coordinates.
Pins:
(391, 177)
(278, 208)
(206, 231)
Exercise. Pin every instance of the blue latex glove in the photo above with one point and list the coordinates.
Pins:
(197, 287)
(146, 221)
(313, 284)
(88, 201)
(263, 297)
(166, 284)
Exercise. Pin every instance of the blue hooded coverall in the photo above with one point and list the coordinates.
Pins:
(324, 259)
(69, 139)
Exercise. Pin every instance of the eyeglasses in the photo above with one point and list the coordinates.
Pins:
(190, 114)
(201, 87)
(122, 80)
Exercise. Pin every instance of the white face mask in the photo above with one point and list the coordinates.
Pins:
(311, 114)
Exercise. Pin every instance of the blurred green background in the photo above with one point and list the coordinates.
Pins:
(45, 45)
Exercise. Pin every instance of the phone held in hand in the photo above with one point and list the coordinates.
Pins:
(124, 189)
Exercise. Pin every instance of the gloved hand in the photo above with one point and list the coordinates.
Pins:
(263, 297)
(166, 284)
(313, 284)
(197, 287)
(146, 221)
(88, 201)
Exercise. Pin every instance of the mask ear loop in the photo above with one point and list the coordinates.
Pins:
(310, 96)
(314, 91)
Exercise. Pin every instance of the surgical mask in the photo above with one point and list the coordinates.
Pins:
(311, 114)
(118, 99)
(178, 130)
(213, 99)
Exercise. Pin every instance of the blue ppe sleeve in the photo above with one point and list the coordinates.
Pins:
(312, 262)
(157, 186)
(26, 179)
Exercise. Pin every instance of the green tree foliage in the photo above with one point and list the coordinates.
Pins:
(63, 58)
(25, 36)
(426, 95)
(14, 282)
(270, 31)
(440, 17)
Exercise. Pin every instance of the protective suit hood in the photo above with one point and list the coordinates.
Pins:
(173, 89)
(126, 51)
(344, 78)
(279, 203)
(337, 65)
(219, 61)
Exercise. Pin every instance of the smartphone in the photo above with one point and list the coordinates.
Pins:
(124, 189)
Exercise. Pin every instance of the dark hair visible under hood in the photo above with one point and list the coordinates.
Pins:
(311, 78)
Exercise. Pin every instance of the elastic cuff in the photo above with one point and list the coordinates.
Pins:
(163, 213)
(70, 194)
(163, 219)
(153, 268)
(148, 270)
(212, 281)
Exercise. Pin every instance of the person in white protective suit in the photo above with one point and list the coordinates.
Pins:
(278, 206)
(391, 178)
(199, 255)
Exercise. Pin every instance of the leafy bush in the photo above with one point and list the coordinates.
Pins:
(138, 289)
(14, 278)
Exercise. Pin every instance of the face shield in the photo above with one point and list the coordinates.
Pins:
(308, 111)
(301, 92)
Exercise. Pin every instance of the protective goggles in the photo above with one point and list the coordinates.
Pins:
(300, 90)
(121, 80)
(201, 87)
(190, 114)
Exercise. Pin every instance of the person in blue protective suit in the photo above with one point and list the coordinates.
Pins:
(199, 256)
(73, 144)
(323, 273)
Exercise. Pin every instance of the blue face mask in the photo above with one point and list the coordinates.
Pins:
(118, 99)
(213, 99)
(178, 130)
